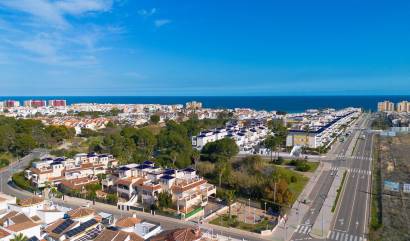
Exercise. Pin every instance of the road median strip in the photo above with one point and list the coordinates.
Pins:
(339, 190)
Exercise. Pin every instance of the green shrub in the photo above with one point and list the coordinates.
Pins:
(279, 161)
(20, 181)
(4, 162)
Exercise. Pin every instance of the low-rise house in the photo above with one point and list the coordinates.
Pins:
(117, 235)
(72, 230)
(180, 234)
(143, 182)
(13, 223)
(143, 229)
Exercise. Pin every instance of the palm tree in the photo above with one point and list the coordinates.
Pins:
(19, 237)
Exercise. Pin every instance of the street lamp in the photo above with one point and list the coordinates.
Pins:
(265, 209)
(249, 207)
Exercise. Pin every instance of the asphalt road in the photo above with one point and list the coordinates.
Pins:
(167, 223)
(323, 185)
(352, 215)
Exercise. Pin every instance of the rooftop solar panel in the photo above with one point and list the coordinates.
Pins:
(60, 228)
(81, 228)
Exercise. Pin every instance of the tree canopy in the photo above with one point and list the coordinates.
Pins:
(220, 150)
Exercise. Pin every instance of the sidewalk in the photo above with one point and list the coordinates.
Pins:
(299, 209)
(321, 227)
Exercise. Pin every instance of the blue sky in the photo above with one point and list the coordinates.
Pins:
(212, 47)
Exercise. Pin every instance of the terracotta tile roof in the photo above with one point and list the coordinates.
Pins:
(22, 226)
(30, 201)
(127, 222)
(183, 188)
(151, 187)
(180, 234)
(49, 229)
(78, 183)
(7, 216)
(81, 212)
(19, 221)
(126, 181)
(4, 233)
(116, 235)
(38, 171)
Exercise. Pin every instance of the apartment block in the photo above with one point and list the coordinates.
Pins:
(35, 103)
(247, 137)
(57, 103)
(141, 183)
(385, 106)
(403, 106)
(322, 127)
(70, 172)
(11, 103)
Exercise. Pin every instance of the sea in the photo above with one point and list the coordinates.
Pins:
(290, 104)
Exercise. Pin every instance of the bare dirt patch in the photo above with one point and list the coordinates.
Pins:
(395, 167)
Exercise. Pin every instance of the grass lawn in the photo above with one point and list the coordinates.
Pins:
(313, 166)
(295, 187)
(234, 223)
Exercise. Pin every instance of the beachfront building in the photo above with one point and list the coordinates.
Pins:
(35, 103)
(141, 183)
(57, 103)
(403, 106)
(11, 103)
(72, 173)
(385, 106)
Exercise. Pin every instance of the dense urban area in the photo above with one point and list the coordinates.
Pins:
(185, 172)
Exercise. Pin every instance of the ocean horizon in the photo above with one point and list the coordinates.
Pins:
(291, 104)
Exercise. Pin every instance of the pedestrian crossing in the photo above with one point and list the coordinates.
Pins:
(359, 171)
(340, 156)
(304, 229)
(334, 169)
(342, 236)
(354, 171)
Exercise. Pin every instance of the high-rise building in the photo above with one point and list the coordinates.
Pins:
(193, 105)
(403, 106)
(57, 103)
(11, 103)
(385, 106)
(35, 103)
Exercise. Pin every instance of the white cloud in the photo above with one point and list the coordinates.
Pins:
(78, 7)
(43, 33)
(53, 12)
(147, 13)
(42, 9)
(161, 22)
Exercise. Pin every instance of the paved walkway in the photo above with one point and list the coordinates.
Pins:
(299, 209)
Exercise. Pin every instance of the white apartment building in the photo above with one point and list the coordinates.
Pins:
(56, 170)
(141, 183)
(245, 137)
(322, 128)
